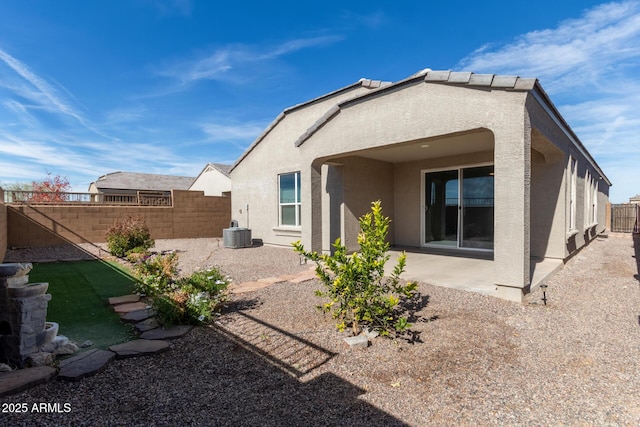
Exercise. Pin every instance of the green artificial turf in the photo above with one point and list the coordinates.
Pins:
(80, 291)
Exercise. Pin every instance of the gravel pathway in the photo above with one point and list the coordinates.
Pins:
(275, 360)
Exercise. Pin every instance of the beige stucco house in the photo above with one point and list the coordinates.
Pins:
(464, 163)
(214, 180)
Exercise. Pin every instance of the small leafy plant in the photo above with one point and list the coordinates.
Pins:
(130, 234)
(193, 299)
(157, 272)
(359, 294)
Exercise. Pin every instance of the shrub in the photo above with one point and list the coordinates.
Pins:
(157, 272)
(127, 235)
(359, 293)
(188, 300)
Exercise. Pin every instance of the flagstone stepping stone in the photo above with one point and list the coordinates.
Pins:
(271, 280)
(138, 315)
(166, 334)
(147, 324)
(129, 307)
(22, 379)
(124, 299)
(140, 347)
(248, 287)
(85, 364)
(304, 276)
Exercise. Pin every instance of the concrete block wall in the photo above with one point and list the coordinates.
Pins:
(3, 227)
(192, 215)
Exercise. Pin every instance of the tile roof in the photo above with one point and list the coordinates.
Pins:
(142, 181)
(427, 75)
(222, 168)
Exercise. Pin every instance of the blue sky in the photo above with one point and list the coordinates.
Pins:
(165, 86)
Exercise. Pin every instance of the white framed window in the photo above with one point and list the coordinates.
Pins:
(588, 194)
(289, 211)
(573, 180)
(594, 202)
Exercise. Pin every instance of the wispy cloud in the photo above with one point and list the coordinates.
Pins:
(235, 62)
(231, 132)
(172, 7)
(602, 43)
(372, 20)
(26, 85)
(45, 89)
(590, 67)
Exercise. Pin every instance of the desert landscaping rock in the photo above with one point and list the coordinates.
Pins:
(138, 315)
(124, 299)
(147, 324)
(478, 360)
(128, 308)
(357, 342)
(139, 347)
(67, 349)
(166, 334)
(23, 379)
(87, 343)
(40, 358)
(85, 364)
(5, 368)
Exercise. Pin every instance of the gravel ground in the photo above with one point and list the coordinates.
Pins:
(275, 360)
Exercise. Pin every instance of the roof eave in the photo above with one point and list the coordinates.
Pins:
(541, 95)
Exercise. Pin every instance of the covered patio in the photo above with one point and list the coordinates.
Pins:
(472, 274)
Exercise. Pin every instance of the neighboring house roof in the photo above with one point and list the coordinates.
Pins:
(467, 79)
(142, 181)
(220, 167)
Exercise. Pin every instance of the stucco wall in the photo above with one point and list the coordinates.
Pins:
(551, 236)
(254, 181)
(529, 153)
(3, 227)
(547, 206)
(212, 182)
(365, 181)
(192, 215)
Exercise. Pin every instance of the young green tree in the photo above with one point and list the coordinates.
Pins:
(359, 294)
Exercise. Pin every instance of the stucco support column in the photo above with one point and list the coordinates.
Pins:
(312, 207)
(512, 182)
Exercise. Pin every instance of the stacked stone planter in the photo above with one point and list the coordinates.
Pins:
(23, 313)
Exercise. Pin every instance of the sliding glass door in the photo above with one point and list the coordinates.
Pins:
(458, 208)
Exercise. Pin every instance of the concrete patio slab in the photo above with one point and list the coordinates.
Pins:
(463, 273)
